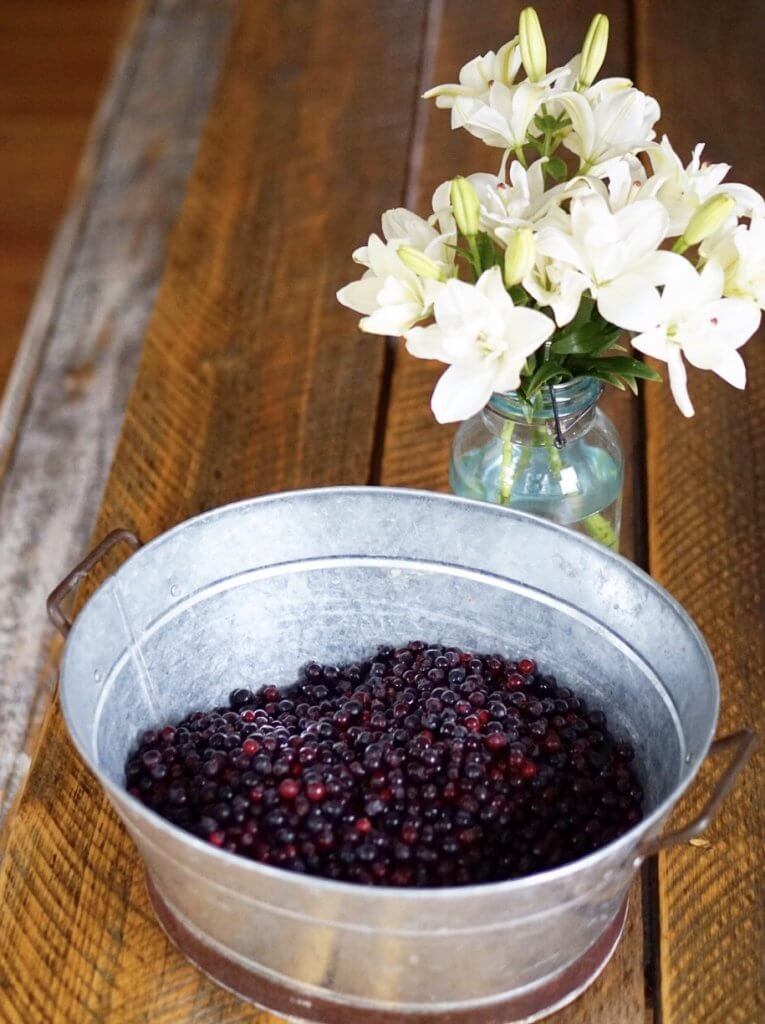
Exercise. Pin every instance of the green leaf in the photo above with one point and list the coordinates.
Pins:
(626, 366)
(530, 365)
(583, 314)
(487, 251)
(556, 168)
(607, 378)
(587, 339)
(546, 122)
(547, 372)
(519, 295)
(460, 251)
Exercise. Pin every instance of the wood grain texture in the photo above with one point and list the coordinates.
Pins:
(416, 448)
(54, 58)
(706, 494)
(80, 350)
(251, 380)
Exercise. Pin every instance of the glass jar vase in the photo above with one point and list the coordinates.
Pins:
(512, 453)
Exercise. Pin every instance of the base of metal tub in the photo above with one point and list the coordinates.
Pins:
(279, 999)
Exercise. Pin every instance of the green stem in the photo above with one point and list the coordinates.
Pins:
(472, 242)
(599, 528)
(505, 477)
(519, 154)
(595, 525)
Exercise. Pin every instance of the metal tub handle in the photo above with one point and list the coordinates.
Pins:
(69, 583)
(743, 743)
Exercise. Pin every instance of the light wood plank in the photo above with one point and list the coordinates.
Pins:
(252, 379)
(80, 350)
(416, 452)
(706, 493)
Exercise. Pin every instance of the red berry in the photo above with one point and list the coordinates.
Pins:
(316, 791)
(552, 742)
(515, 760)
(409, 834)
(217, 838)
(250, 747)
(289, 789)
(527, 666)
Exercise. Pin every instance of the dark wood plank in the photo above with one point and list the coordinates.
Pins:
(251, 380)
(53, 61)
(416, 449)
(706, 489)
(61, 413)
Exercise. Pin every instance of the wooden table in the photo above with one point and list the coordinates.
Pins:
(252, 379)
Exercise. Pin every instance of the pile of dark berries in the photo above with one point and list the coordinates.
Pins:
(425, 766)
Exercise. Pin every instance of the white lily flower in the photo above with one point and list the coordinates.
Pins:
(693, 320)
(615, 251)
(563, 79)
(555, 284)
(610, 119)
(503, 118)
(741, 254)
(483, 337)
(403, 226)
(506, 206)
(391, 296)
(627, 182)
(682, 189)
(477, 76)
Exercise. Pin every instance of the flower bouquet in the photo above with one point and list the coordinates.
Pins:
(589, 233)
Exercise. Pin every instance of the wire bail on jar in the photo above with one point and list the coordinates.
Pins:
(560, 440)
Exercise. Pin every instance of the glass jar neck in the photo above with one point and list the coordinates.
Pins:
(576, 404)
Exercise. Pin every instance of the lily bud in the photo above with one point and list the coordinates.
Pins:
(418, 262)
(593, 50)
(533, 49)
(503, 65)
(466, 207)
(519, 257)
(708, 218)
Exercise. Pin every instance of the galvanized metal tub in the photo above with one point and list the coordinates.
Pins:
(246, 594)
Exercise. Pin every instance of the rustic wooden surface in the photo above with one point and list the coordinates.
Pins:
(253, 380)
(54, 60)
(62, 409)
(706, 496)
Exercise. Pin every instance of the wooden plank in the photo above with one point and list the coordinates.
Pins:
(251, 380)
(705, 501)
(416, 449)
(80, 350)
(54, 59)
